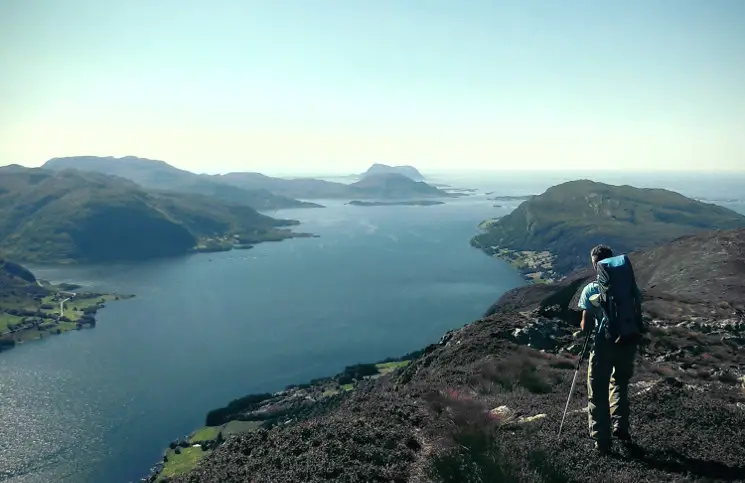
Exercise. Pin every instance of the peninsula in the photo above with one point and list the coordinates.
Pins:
(549, 235)
(33, 309)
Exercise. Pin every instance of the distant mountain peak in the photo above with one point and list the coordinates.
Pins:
(405, 170)
(156, 174)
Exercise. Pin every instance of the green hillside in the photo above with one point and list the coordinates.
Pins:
(569, 219)
(73, 216)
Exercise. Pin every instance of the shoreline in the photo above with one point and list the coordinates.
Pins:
(56, 311)
(395, 203)
(252, 412)
(228, 243)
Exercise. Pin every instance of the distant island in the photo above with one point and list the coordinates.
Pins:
(396, 203)
(551, 234)
(154, 174)
(409, 171)
(396, 186)
(370, 187)
(33, 309)
(73, 216)
(511, 198)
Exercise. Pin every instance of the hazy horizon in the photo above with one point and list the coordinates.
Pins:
(332, 87)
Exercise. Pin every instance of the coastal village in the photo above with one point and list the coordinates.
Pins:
(537, 267)
(51, 311)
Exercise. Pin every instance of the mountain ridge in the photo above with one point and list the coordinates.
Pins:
(157, 174)
(378, 186)
(257, 190)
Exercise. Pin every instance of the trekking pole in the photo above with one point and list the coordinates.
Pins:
(574, 380)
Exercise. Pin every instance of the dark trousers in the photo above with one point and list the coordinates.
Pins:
(610, 370)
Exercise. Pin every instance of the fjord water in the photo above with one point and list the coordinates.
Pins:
(100, 405)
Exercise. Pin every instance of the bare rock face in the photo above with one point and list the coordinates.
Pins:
(485, 403)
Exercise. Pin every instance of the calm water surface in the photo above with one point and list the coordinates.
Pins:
(100, 405)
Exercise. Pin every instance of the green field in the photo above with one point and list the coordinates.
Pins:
(206, 433)
(210, 433)
(6, 319)
(181, 463)
(330, 392)
(386, 367)
(190, 457)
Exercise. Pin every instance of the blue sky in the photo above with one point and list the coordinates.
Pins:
(284, 86)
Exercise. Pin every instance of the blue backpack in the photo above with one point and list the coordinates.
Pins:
(619, 299)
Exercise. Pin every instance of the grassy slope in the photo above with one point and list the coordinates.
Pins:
(186, 460)
(569, 219)
(68, 216)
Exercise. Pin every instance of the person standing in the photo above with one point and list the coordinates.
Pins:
(617, 323)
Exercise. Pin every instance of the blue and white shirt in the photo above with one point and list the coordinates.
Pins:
(591, 289)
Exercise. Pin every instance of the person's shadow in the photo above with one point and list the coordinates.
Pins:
(675, 462)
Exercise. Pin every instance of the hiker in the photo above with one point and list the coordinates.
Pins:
(618, 326)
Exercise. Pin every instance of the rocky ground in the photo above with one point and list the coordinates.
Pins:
(486, 402)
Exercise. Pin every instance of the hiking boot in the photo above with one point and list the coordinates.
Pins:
(602, 447)
(622, 435)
